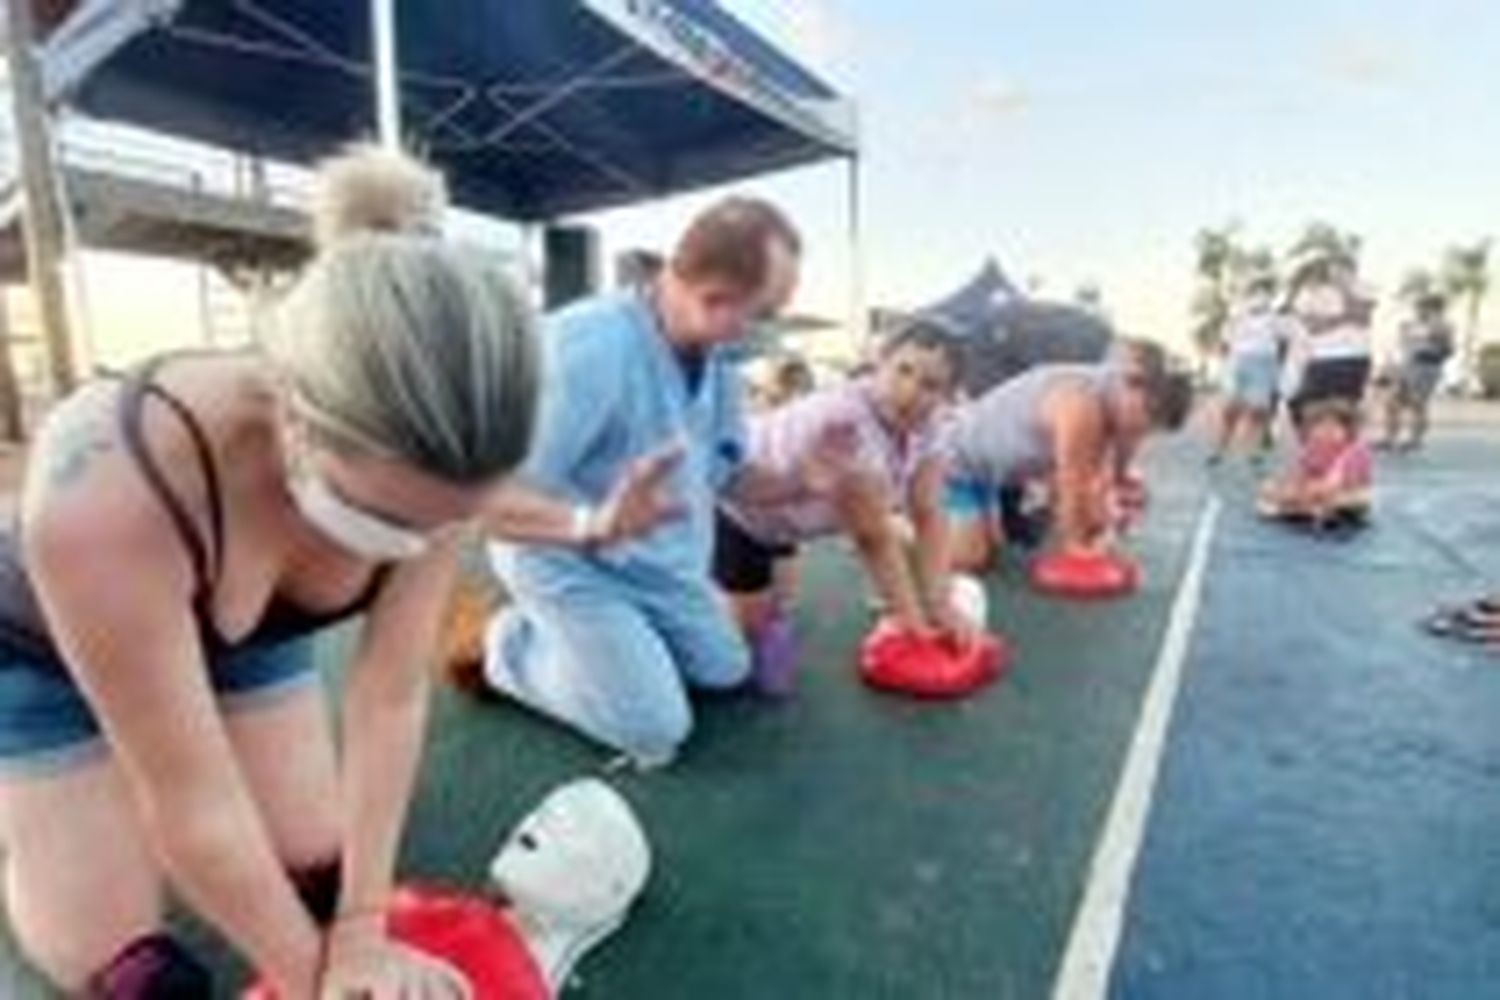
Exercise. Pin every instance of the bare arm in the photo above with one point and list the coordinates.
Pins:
(516, 512)
(639, 501)
(385, 705)
(1079, 454)
(864, 510)
(930, 520)
(135, 653)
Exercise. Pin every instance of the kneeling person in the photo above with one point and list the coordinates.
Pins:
(854, 455)
(609, 639)
(1075, 427)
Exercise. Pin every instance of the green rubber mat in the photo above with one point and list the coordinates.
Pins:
(845, 844)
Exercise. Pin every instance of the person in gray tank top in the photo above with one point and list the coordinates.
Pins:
(1073, 428)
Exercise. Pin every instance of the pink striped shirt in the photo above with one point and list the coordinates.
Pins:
(782, 439)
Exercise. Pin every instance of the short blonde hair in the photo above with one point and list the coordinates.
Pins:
(400, 342)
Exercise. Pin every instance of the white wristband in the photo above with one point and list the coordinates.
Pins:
(584, 517)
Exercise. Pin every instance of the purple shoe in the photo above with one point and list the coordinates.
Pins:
(774, 656)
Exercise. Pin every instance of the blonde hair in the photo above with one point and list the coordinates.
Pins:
(400, 342)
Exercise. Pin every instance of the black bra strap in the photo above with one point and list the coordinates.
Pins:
(206, 561)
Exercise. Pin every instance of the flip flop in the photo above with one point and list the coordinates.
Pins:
(1481, 614)
(1457, 625)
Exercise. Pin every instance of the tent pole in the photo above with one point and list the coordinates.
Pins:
(387, 73)
(858, 311)
(43, 214)
(533, 268)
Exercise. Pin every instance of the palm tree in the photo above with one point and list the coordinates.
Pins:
(1416, 284)
(1210, 311)
(1466, 279)
(1220, 259)
(1326, 240)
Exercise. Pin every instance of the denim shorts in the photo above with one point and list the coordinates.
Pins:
(1417, 381)
(1254, 380)
(975, 500)
(971, 499)
(46, 725)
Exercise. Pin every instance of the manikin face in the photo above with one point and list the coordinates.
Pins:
(580, 859)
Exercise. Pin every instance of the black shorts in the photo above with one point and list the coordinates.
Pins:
(1334, 378)
(743, 564)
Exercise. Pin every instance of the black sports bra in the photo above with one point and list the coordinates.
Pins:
(23, 628)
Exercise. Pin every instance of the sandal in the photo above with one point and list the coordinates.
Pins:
(1459, 624)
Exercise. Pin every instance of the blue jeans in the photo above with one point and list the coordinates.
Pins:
(614, 661)
(46, 724)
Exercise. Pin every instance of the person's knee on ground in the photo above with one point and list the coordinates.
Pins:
(972, 546)
(753, 610)
(723, 667)
(81, 887)
(654, 735)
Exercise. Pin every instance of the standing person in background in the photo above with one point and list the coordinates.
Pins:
(1258, 338)
(790, 379)
(608, 642)
(1333, 353)
(1425, 346)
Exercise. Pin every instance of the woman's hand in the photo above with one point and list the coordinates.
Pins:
(363, 963)
(640, 500)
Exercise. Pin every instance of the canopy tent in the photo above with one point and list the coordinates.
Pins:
(1004, 333)
(973, 306)
(534, 109)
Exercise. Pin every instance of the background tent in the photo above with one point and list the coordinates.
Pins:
(1004, 333)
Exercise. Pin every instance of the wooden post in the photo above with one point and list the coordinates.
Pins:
(43, 214)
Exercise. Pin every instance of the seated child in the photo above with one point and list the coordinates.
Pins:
(1330, 482)
(891, 463)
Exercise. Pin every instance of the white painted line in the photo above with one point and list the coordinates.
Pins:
(1090, 955)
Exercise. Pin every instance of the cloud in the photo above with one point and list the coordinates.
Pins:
(1364, 62)
(818, 32)
(994, 97)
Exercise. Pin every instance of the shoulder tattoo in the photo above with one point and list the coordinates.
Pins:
(78, 444)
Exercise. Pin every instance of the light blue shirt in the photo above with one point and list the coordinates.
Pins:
(614, 390)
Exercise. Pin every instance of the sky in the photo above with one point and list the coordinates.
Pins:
(1087, 141)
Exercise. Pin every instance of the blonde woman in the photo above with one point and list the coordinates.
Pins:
(185, 531)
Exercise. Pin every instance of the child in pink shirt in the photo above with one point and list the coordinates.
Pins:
(1330, 482)
(891, 460)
